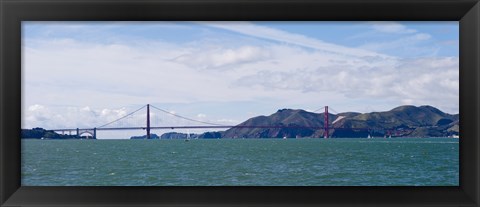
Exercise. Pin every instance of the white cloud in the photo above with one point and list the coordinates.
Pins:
(407, 44)
(250, 29)
(125, 81)
(421, 36)
(36, 107)
(68, 117)
(228, 121)
(219, 57)
(396, 38)
(86, 108)
(391, 27)
(37, 114)
(423, 80)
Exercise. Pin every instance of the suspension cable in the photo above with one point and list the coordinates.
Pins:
(203, 122)
(331, 109)
(122, 117)
(319, 109)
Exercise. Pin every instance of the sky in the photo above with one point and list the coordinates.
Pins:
(86, 74)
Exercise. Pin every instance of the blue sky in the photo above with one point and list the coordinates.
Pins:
(87, 73)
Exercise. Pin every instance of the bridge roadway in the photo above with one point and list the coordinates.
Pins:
(204, 127)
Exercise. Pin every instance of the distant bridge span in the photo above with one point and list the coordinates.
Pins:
(93, 131)
(205, 127)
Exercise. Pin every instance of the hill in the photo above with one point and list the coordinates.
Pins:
(40, 133)
(402, 121)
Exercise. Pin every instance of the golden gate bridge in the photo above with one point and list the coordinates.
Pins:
(146, 125)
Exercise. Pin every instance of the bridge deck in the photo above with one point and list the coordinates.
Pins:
(205, 127)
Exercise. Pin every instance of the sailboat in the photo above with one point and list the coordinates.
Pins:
(188, 136)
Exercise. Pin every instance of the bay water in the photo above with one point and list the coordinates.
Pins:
(242, 162)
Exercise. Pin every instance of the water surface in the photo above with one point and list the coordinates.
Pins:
(233, 162)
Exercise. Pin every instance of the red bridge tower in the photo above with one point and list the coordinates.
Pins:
(148, 121)
(325, 123)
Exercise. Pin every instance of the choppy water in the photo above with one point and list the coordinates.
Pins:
(256, 162)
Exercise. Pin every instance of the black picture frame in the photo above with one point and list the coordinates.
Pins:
(12, 12)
